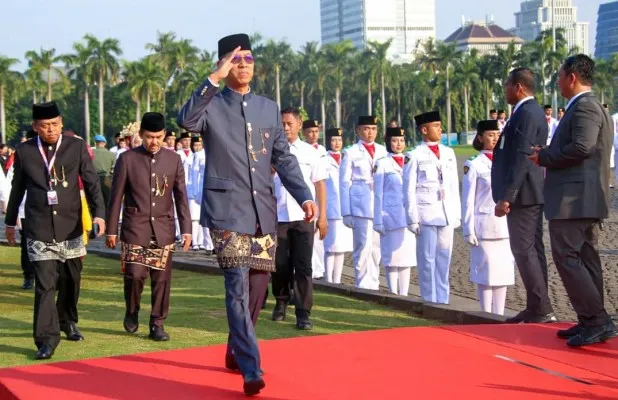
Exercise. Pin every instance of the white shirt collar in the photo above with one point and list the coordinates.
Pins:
(575, 98)
(522, 101)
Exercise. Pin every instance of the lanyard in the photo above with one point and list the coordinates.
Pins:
(49, 165)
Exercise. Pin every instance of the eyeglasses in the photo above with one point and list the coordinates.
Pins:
(248, 59)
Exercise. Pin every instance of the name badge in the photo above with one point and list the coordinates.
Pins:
(52, 198)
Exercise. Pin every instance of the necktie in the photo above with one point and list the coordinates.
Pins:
(371, 148)
(315, 146)
(336, 157)
(399, 160)
(435, 150)
(490, 156)
(548, 119)
(187, 152)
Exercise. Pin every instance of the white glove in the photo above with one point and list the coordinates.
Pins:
(415, 229)
(348, 221)
(457, 224)
(379, 229)
(471, 239)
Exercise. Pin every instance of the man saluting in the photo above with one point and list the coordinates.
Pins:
(48, 168)
(151, 181)
(243, 136)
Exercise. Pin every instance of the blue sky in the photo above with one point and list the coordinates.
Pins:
(31, 24)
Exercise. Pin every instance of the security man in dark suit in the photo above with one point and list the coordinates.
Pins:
(48, 168)
(151, 181)
(517, 188)
(577, 199)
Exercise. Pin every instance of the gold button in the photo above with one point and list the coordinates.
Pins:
(152, 218)
(254, 192)
(153, 161)
(153, 189)
(244, 103)
(252, 169)
(50, 148)
(153, 204)
(153, 174)
(55, 212)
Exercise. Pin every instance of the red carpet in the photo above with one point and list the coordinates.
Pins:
(464, 362)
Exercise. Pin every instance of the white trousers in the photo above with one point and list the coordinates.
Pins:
(201, 236)
(317, 259)
(398, 279)
(492, 298)
(334, 267)
(434, 248)
(366, 254)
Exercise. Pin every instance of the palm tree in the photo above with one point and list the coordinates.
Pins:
(7, 77)
(43, 62)
(447, 55)
(147, 79)
(302, 74)
(165, 51)
(378, 52)
(338, 56)
(487, 75)
(80, 68)
(105, 64)
(272, 57)
(466, 76)
(191, 78)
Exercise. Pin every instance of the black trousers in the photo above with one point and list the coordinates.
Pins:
(293, 264)
(526, 238)
(574, 246)
(160, 285)
(49, 317)
(26, 265)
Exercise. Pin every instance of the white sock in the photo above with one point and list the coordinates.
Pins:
(334, 267)
(207, 239)
(195, 226)
(329, 266)
(485, 297)
(499, 299)
(404, 280)
(392, 279)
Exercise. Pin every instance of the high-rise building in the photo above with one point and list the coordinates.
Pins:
(535, 16)
(407, 22)
(607, 30)
(483, 36)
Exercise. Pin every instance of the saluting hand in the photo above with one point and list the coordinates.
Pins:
(223, 67)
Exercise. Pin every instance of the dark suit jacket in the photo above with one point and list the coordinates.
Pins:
(238, 190)
(63, 221)
(514, 178)
(577, 162)
(145, 213)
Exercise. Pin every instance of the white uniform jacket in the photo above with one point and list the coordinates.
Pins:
(333, 198)
(195, 183)
(431, 187)
(356, 180)
(388, 209)
(187, 162)
(477, 204)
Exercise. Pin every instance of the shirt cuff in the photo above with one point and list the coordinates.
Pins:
(305, 202)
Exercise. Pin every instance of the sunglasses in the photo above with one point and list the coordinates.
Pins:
(248, 59)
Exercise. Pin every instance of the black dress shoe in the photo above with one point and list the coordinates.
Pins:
(158, 334)
(28, 284)
(254, 386)
(231, 363)
(541, 319)
(131, 322)
(593, 334)
(45, 352)
(279, 311)
(570, 332)
(519, 318)
(304, 325)
(73, 334)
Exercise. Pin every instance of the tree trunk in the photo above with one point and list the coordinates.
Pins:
(302, 95)
(164, 99)
(323, 106)
(602, 99)
(137, 111)
(277, 88)
(487, 100)
(466, 100)
(399, 106)
(49, 85)
(34, 97)
(448, 102)
(369, 99)
(101, 129)
(87, 114)
(338, 106)
(2, 116)
(148, 100)
(383, 96)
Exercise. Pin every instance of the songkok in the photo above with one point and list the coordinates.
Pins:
(45, 111)
(493, 111)
(392, 132)
(488, 125)
(605, 106)
(367, 120)
(500, 111)
(560, 109)
(547, 106)
(426, 118)
(185, 135)
(334, 132)
(196, 139)
(153, 122)
(311, 123)
(230, 43)
(117, 135)
(169, 134)
(100, 138)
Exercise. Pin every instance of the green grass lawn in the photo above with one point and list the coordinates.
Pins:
(464, 150)
(197, 315)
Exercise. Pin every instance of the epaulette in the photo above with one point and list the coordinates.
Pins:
(473, 157)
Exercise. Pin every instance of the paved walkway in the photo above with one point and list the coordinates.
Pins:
(464, 293)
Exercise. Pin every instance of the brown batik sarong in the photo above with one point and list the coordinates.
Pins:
(153, 256)
(239, 249)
